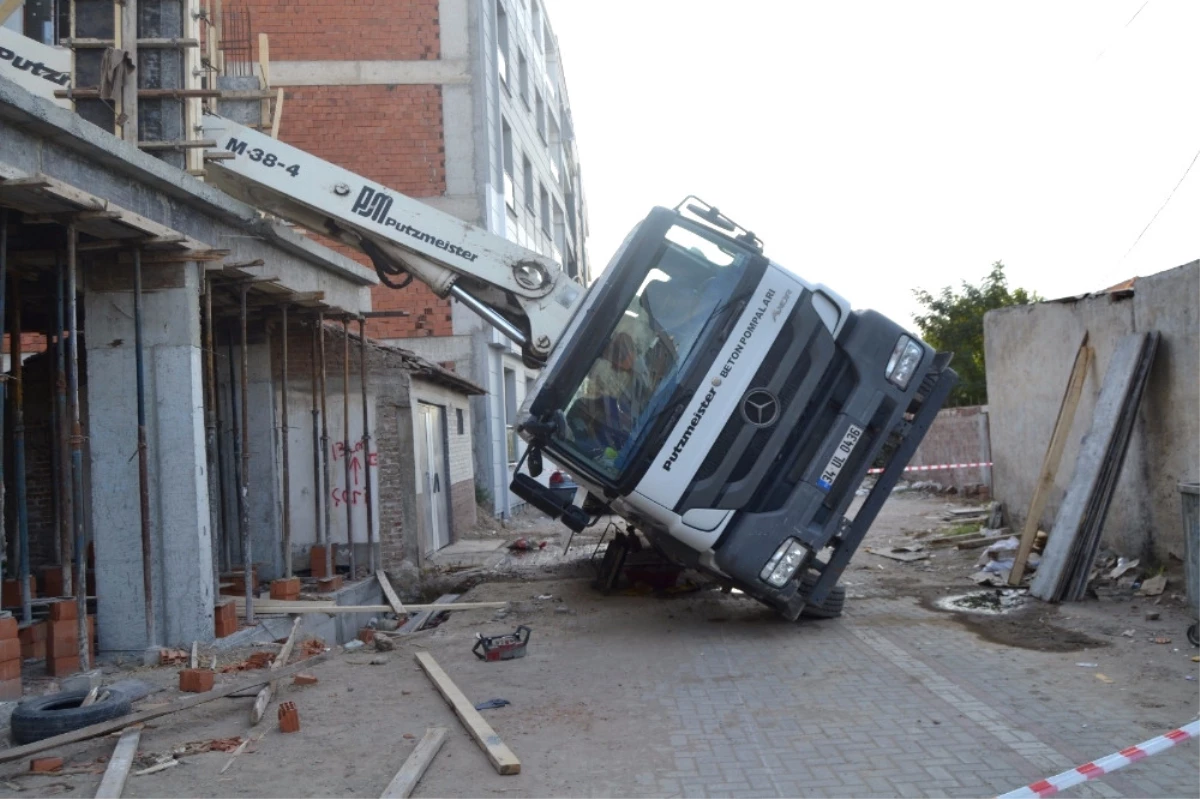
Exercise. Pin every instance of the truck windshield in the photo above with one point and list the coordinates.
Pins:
(678, 292)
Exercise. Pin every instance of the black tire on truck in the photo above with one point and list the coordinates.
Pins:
(831, 608)
(47, 716)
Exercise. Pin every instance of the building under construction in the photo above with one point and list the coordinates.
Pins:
(193, 406)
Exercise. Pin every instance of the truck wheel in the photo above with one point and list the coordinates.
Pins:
(47, 716)
(831, 608)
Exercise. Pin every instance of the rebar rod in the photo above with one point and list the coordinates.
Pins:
(366, 441)
(143, 452)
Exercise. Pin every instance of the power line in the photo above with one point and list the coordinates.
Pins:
(1123, 27)
(1164, 205)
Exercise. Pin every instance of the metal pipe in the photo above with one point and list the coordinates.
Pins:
(347, 450)
(76, 449)
(54, 340)
(316, 437)
(63, 485)
(327, 531)
(287, 471)
(3, 383)
(143, 450)
(366, 442)
(496, 320)
(244, 492)
(14, 348)
(215, 503)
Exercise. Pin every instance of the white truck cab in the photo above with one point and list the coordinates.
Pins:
(724, 406)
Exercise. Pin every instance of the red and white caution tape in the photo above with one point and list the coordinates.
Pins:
(939, 467)
(1105, 765)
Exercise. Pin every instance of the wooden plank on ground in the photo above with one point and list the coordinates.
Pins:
(426, 612)
(306, 607)
(390, 593)
(1052, 459)
(406, 779)
(113, 782)
(499, 754)
(105, 727)
(264, 696)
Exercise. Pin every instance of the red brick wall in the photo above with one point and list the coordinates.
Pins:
(390, 134)
(310, 30)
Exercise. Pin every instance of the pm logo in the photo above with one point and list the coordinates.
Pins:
(372, 204)
(760, 408)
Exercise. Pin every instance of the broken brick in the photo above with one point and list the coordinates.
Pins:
(45, 764)
(286, 589)
(66, 610)
(289, 717)
(327, 585)
(196, 681)
(304, 678)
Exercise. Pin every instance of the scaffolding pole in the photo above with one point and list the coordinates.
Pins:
(76, 448)
(14, 348)
(328, 528)
(3, 383)
(139, 350)
(63, 484)
(347, 450)
(215, 504)
(316, 436)
(244, 488)
(366, 441)
(287, 464)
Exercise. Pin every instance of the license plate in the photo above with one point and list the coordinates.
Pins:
(840, 456)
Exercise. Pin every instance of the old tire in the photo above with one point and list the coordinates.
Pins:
(47, 716)
(831, 608)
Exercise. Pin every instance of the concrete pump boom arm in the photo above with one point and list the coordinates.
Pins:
(523, 294)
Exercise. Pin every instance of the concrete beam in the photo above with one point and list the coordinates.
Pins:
(368, 73)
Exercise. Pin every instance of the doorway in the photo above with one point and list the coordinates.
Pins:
(431, 470)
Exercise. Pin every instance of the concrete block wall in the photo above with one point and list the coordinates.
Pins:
(1030, 350)
(958, 435)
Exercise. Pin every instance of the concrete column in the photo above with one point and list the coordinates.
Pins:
(183, 582)
(265, 479)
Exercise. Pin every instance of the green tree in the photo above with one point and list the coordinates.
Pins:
(953, 322)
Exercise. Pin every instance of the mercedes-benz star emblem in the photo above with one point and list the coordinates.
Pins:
(760, 408)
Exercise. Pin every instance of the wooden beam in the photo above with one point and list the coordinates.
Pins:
(264, 76)
(389, 593)
(406, 779)
(283, 609)
(277, 116)
(500, 755)
(418, 621)
(1052, 459)
(113, 782)
(105, 727)
(264, 696)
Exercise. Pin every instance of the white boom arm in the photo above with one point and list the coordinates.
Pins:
(526, 296)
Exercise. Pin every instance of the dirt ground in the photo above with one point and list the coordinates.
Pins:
(581, 717)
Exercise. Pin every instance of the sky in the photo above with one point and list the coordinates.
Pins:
(880, 147)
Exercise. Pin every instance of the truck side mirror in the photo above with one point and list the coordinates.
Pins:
(534, 461)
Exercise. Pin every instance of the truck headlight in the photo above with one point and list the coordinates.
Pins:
(783, 564)
(906, 357)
